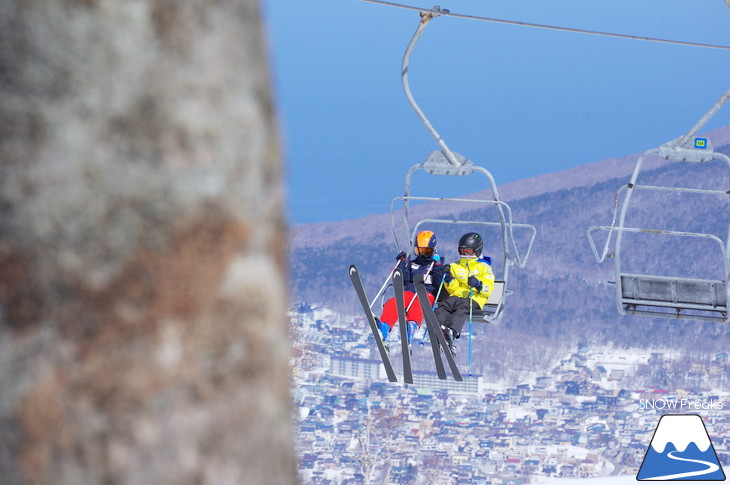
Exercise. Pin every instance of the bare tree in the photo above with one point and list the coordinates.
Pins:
(370, 452)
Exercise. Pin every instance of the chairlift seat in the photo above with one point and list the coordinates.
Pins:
(492, 305)
(672, 292)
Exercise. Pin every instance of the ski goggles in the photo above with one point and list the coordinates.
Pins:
(467, 251)
(424, 251)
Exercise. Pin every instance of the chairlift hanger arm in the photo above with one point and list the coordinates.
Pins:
(620, 201)
(682, 141)
(425, 18)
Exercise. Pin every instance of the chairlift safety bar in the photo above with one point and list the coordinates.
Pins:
(625, 201)
(516, 260)
(604, 255)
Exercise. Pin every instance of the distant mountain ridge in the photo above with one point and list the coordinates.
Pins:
(593, 173)
(378, 225)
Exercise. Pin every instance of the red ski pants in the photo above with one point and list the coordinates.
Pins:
(390, 311)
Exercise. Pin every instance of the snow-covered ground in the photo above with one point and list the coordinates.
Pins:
(331, 408)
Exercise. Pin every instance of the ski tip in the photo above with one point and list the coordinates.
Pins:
(353, 269)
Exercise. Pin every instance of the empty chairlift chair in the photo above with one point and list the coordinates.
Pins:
(660, 295)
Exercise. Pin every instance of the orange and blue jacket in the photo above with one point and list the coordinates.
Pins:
(421, 264)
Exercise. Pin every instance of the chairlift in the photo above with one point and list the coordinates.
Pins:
(447, 162)
(704, 299)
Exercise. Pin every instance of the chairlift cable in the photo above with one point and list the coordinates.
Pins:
(437, 11)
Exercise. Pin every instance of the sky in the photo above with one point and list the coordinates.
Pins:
(515, 100)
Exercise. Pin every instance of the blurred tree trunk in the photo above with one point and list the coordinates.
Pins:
(143, 334)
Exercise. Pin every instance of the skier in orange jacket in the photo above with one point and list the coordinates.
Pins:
(426, 262)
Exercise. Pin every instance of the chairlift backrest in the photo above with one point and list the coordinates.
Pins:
(495, 298)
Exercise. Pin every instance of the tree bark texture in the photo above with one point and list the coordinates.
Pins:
(143, 334)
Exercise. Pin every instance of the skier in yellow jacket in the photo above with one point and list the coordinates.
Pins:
(469, 282)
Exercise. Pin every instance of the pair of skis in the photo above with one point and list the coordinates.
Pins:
(438, 341)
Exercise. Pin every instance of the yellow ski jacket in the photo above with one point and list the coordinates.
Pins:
(461, 270)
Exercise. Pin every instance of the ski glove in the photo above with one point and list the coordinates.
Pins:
(448, 276)
(401, 256)
(475, 283)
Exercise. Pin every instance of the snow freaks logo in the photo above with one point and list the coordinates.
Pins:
(681, 450)
(680, 405)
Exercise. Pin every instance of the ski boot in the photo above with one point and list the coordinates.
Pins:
(449, 334)
(412, 327)
(384, 330)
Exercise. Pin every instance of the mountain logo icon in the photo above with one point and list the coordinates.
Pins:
(681, 450)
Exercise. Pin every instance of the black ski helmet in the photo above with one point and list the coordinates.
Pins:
(470, 245)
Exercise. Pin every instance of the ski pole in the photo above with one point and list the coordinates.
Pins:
(438, 293)
(385, 285)
(428, 271)
(471, 303)
(435, 302)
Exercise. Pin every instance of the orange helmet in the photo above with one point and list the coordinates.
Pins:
(425, 244)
